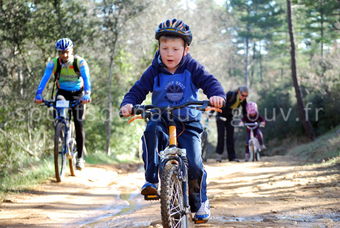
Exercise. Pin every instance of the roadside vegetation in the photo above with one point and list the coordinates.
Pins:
(325, 148)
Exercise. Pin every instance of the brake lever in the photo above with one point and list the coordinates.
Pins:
(203, 107)
(138, 109)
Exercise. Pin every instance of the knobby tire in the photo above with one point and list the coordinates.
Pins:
(258, 156)
(59, 156)
(251, 151)
(172, 206)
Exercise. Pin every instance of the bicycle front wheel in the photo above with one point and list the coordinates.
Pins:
(172, 204)
(59, 151)
(251, 151)
(258, 156)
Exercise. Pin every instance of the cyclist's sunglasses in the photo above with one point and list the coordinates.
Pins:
(244, 95)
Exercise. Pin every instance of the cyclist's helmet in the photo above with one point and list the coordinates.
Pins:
(174, 27)
(251, 108)
(63, 44)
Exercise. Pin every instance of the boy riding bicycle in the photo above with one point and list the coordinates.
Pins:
(253, 116)
(174, 78)
(71, 85)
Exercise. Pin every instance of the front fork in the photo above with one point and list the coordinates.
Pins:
(182, 161)
(185, 184)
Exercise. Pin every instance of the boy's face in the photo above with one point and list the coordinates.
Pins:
(172, 50)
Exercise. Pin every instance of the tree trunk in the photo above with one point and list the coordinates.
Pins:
(252, 66)
(303, 116)
(109, 111)
(321, 29)
(261, 64)
(246, 62)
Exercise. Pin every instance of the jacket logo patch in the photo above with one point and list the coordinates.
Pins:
(174, 91)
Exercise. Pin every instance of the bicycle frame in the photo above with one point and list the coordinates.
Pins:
(63, 115)
(64, 142)
(253, 141)
(175, 156)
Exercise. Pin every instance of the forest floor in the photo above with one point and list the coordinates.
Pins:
(276, 192)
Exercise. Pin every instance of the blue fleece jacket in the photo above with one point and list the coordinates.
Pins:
(174, 89)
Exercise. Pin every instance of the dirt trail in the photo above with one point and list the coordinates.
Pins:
(275, 192)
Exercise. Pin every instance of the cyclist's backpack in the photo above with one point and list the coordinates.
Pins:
(75, 68)
(57, 71)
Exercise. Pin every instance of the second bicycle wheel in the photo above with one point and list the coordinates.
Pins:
(172, 206)
(59, 154)
(72, 148)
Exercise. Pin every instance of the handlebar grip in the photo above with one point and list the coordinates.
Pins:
(75, 103)
(138, 109)
(48, 103)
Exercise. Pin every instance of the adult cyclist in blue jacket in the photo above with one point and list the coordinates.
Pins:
(72, 85)
(174, 78)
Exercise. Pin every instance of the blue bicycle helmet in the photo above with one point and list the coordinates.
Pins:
(63, 44)
(174, 27)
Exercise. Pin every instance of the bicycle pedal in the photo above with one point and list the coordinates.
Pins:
(200, 221)
(151, 197)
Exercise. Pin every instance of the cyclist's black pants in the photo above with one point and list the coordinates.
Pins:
(225, 128)
(78, 117)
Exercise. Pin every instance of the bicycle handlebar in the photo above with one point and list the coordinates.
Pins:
(52, 103)
(252, 125)
(138, 109)
(141, 109)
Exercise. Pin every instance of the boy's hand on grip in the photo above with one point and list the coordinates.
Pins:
(217, 101)
(126, 110)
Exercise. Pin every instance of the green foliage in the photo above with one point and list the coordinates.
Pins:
(33, 171)
(277, 104)
(325, 109)
(323, 148)
(125, 139)
(100, 158)
(26, 40)
(279, 110)
(319, 25)
(258, 19)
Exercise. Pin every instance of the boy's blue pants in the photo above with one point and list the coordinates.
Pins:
(155, 139)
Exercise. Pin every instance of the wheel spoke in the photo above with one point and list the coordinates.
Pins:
(172, 199)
